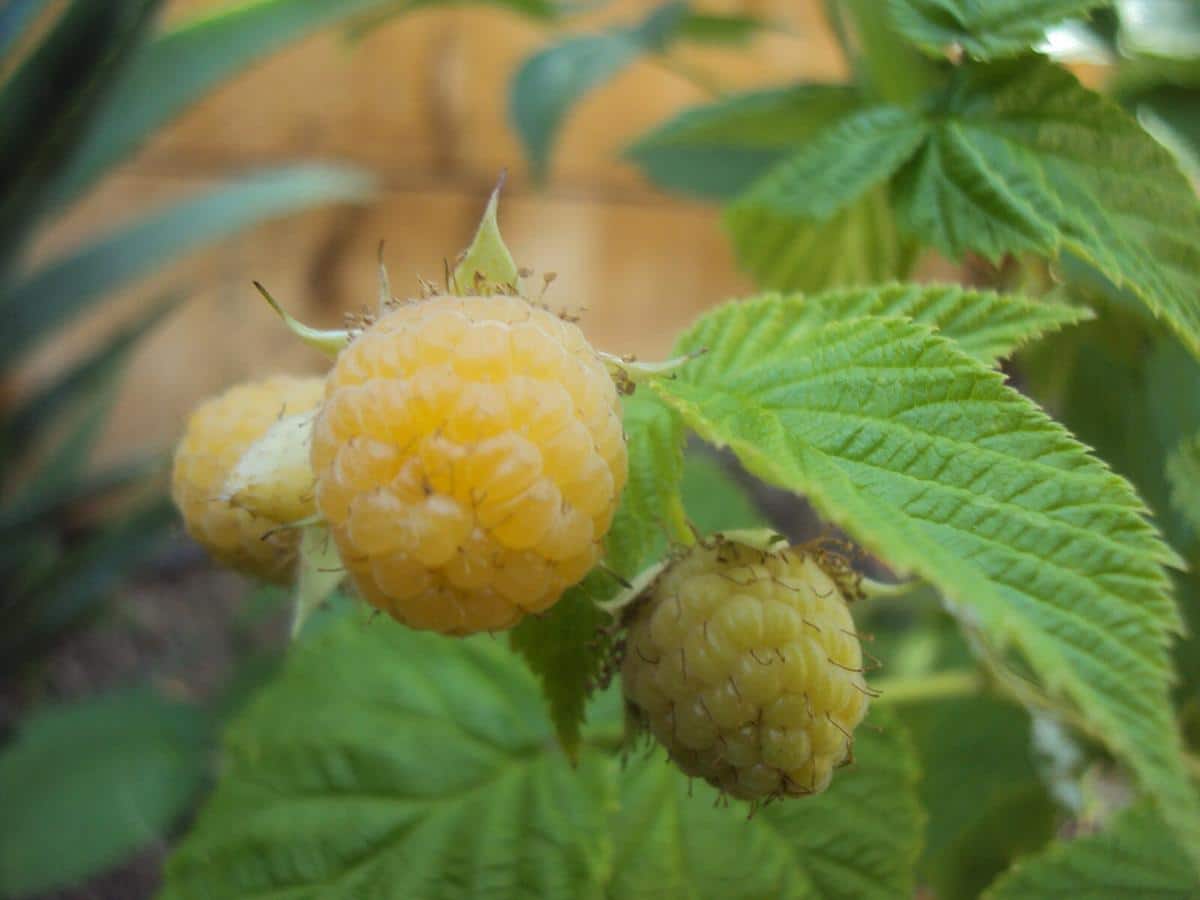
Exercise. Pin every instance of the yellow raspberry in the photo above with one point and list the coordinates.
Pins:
(217, 437)
(469, 458)
(745, 665)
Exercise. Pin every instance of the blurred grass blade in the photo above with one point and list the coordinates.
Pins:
(39, 410)
(76, 586)
(62, 463)
(15, 18)
(177, 68)
(61, 497)
(33, 308)
(50, 99)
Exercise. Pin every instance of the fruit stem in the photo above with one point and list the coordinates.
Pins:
(884, 589)
(627, 371)
(328, 342)
(938, 686)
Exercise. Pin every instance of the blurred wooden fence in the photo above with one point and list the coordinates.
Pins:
(421, 102)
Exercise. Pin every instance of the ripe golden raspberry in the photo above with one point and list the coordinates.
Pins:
(469, 458)
(745, 665)
(217, 437)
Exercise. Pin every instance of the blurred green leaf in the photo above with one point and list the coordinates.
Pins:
(550, 82)
(886, 65)
(180, 66)
(64, 287)
(87, 784)
(51, 98)
(717, 150)
(567, 648)
(713, 498)
(716, 28)
(985, 29)
(1134, 856)
(861, 244)
(1183, 473)
(981, 790)
(539, 10)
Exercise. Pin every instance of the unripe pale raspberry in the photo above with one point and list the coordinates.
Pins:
(745, 665)
(218, 435)
(469, 458)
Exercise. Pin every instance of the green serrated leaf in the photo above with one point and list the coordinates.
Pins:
(985, 29)
(1183, 473)
(1023, 158)
(87, 784)
(550, 82)
(384, 762)
(1135, 856)
(387, 762)
(822, 217)
(840, 164)
(925, 456)
(651, 510)
(486, 265)
(859, 839)
(63, 287)
(717, 150)
(984, 324)
(567, 649)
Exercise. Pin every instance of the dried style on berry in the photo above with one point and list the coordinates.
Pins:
(233, 510)
(744, 663)
(469, 459)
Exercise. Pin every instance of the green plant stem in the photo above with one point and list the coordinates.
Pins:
(936, 686)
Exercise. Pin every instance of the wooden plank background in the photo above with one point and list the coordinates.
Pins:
(420, 101)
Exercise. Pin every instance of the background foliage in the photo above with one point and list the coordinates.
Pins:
(1025, 451)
